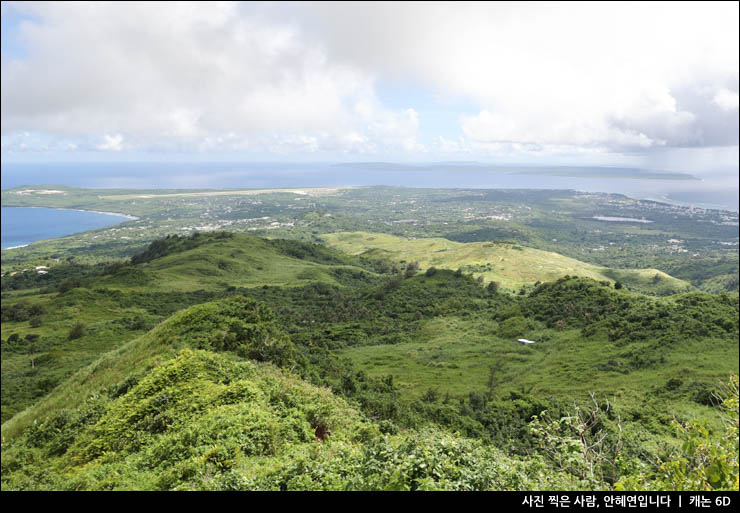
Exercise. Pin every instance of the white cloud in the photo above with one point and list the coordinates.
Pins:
(184, 76)
(726, 99)
(299, 78)
(555, 73)
(111, 143)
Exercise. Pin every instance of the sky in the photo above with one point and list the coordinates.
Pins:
(639, 84)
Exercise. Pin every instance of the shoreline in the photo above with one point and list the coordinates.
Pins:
(680, 203)
(125, 216)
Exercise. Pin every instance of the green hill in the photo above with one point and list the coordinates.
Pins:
(214, 261)
(118, 302)
(191, 368)
(157, 414)
(512, 265)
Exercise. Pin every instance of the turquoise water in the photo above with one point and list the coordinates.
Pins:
(21, 226)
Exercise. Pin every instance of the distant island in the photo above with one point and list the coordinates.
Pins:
(604, 172)
(566, 171)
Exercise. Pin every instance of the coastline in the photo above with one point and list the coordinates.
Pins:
(116, 214)
(680, 203)
(127, 216)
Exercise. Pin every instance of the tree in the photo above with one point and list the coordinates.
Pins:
(585, 443)
(411, 269)
(493, 379)
(703, 461)
(32, 348)
(77, 331)
(430, 396)
(69, 284)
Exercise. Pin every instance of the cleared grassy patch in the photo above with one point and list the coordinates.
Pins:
(238, 261)
(455, 356)
(512, 265)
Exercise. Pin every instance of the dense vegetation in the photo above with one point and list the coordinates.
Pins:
(606, 230)
(370, 342)
(222, 361)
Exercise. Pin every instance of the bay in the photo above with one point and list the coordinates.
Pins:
(22, 226)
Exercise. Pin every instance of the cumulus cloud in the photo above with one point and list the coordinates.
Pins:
(111, 143)
(285, 78)
(600, 74)
(185, 75)
(726, 99)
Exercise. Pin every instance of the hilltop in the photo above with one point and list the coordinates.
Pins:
(218, 260)
(607, 231)
(510, 264)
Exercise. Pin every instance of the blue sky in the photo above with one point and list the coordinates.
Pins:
(9, 35)
(440, 112)
(503, 83)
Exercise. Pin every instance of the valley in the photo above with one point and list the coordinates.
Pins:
(250, 354)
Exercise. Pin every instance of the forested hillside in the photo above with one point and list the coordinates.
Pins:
(224, 361)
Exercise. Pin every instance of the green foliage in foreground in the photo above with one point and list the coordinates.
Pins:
(249, 388)
(209, 421)
(703, 461)
(157, 414)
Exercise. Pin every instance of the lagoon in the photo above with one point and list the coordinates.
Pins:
(22, 226)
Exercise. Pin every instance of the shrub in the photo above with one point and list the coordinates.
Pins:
(411, 269)
(703, 461)
(77, 331)
(69, 284)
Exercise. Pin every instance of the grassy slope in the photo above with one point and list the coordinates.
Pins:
(511, 265)
(454, 355)
(158, 414)
(219, 413)
(661, 360)
(188, 328)
(214, 265)
(450, 352)
(56, 356)
(240, 261)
